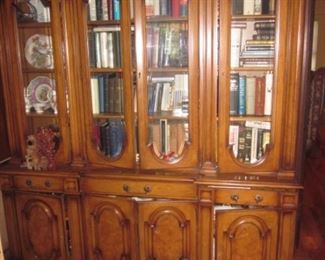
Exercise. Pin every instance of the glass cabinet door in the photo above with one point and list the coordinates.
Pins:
(110, 86)
(167, 82)
(41, 59)
(249, 86)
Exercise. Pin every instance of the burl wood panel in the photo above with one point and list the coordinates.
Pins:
(41, 225)
(246, 234)
(110, 228)
(167, 231)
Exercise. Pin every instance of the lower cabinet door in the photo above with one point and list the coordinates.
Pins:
(167, 230)
(246, 234)
(110, 228)
(42, 226)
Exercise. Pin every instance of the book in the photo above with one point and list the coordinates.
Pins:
(268, 93)
(175, 8)
(242, 95)
(234, 88)
(94, 94)
(241, 143)
(237, 7)
(116, 10)
(260, 95)
(183, 7)
(250, 95)
(253, 154)
(104, 49)
(249, 7)
(92, 48)
(233, 138)
(235, 46)
(257, 7)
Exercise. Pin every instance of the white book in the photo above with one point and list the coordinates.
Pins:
(98, 51)
(258, 7)
(250, 95)
(94, 95)
(110, 50)
(104, 49)
(249, 7)
(92, 10)
(268, 94)
(233, 138)
(105, 10)
(167, 97)
(258, 124)
(254, 145)
(235, 46)
(107, 29)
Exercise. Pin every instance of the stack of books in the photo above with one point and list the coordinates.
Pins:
(104, 10)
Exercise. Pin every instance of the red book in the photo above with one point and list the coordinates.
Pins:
(260, 96)
(175, 8)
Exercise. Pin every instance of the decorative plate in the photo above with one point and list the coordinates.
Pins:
(40, 93)
(39, 51)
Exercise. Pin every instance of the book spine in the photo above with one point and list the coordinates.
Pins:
(268, 94)
(257, 7)
(101, 94)
(99, 9)
(233, 138)
(235, 46)
(248, 144)
(94, 95)
(242, 95)
(183, 7)
(241, 144)
(92, 48)
(249, 6)
(116, 10)
(253, 155)
(238, 7)
(250, 95)
(175, 8)
(92, 10)
(260, 96)
(103, 49)
(234, 82)
(98, 51)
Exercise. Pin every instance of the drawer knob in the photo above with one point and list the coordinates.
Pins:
(258, 198)
(234, 197)
(47, 184)
(126, 188)
(29, 182)
(147, 189)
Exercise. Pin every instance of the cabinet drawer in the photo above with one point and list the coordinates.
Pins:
(247, 197)
(39, 183)
(140, 188)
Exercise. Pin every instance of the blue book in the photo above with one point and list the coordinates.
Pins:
(101, 93)
(242, 95)
(116, 10)
(116, 137)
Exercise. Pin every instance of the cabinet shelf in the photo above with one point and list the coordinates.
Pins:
(41, 115)
(38, 71)
(108, 116)
(105, 70)
(166, 19)
(167, 115)
(25, 25)
(250, 118)
(169, 69)
(252, 17)
(252, 69)
(104, 23)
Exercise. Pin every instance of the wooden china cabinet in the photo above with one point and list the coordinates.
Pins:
(178, 127)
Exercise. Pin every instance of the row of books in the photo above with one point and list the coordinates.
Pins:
(168, 94)
(252, 44)
(253, 7)
(168, 138)
(104, 47)
(104, 10)
(173, 8)
(251, 95)
(249, 141)
(109, 136)
(107, 93)
(167, 45)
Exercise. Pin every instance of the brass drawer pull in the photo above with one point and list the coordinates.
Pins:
(29, 183)
(234, 197)
(47, 184)
(147, 189)
(126, 188)
(258, 198)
